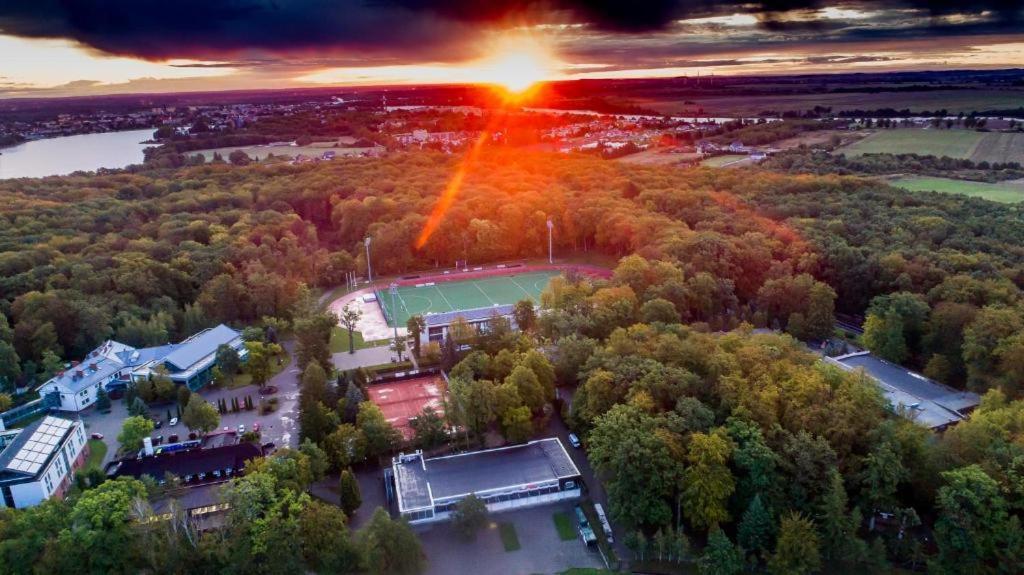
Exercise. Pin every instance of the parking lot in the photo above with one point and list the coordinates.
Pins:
(279, 427)
(541, 549)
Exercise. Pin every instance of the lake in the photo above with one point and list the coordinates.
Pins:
(85, 152)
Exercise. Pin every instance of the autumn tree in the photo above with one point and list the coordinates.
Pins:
(415, 325)
(348, 490)
(796, 550)
(349, 319)
(707, 481)
(524, 315)
(200, 415)
(133, 431)
(390, 546)
(469, 516)
(228, 361)
(429, 429)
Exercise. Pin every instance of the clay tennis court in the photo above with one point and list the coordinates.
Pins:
(402, 401)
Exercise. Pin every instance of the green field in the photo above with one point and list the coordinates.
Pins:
(509, 537)
(954, 101)
(565, 525)
(462, 295)
(97, 451)
(722, 161)
(951, 143)
(1006, 192)
(990, 147)
(260, 152)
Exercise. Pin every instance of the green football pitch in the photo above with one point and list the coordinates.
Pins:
(462, 295)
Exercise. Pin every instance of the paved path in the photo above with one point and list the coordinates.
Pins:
(362, 358)
(556, 427)
(541, 549)
(280, 427)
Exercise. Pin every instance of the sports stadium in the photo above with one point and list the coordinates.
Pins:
(473, 295)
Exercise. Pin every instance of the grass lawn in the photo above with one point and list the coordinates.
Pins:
(509, 538)
(720, 161)
(1004, 192)
(339, 340)
(243, 379)
(930, 142)
(97, 451)
(565, 526)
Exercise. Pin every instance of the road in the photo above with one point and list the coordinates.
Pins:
(556, 427)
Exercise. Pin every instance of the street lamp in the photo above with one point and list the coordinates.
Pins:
(551, 226)
(393, 288)
(369, 270)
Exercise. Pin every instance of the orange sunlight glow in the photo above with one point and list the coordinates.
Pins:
(518, 66)
(515, 71)
(451, 190)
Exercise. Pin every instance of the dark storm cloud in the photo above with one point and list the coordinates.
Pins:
(395, 31)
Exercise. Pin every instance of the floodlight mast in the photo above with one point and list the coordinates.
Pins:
(369, 270)
(551, 225)
(394, 310)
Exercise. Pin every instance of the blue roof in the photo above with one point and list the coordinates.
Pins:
(191, 351)
(105, 367)
(137, 357)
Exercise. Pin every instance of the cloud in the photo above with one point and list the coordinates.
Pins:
(435, 30)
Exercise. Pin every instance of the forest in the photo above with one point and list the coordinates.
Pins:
(708, 435)
(157, 254)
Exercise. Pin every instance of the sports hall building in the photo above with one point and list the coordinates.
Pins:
(512, 477)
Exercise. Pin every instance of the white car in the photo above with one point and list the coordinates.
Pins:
(241, 429)
(574, 440)
(172, 422)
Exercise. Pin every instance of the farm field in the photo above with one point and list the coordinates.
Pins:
(990, 147)
(726, 160)
(952, 143)
(953, 101)
(1005, 192)
(657, 157)
(260, 152)
(1000, 147)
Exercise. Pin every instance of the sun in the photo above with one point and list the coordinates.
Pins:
(518, 71)
(517, 65)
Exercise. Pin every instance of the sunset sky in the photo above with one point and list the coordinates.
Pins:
(56, 48)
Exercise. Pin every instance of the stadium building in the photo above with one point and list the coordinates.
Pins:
(513, 477)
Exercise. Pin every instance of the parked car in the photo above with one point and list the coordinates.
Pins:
(158, 424)
(96, 436)
(241, 429)
(574, 440)
(173, 422)
(173, 438)
(256, 427)
(157, 439)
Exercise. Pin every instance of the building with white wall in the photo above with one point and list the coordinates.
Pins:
(505, 478)
(40, 461)
(190, 363)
